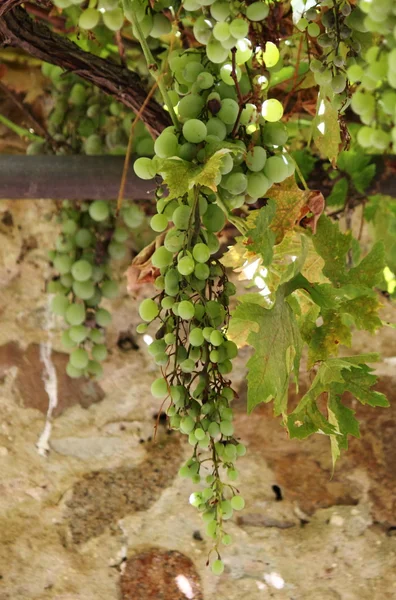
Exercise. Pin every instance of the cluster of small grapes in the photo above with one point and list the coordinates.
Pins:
(337, 42)
(192, 349)
(375, 73)
(97, 12)
(87, 121)
(211, 88)
(89, 238)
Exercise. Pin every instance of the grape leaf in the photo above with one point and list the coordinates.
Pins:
(335, 376)
(332, 245)
(274, 335)
(181, 176)
(338, 193)
(260, 238)
(290, 200)
(326, 129)
(369, 271)
(345, 423)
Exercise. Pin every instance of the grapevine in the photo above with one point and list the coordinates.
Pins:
(257, 96)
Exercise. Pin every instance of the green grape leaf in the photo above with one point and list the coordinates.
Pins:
(290, 201)
(181, 176)
(274, 335)
(369, 271)
(326, 129)
(332, 245)
(260, 238)
(353, 161)
(338, 193)
(335, 376)
(362, 179)
(358, 381)
(345, 423)
(364, 311)
(326, 338)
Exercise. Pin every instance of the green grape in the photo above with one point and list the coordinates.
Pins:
(216, 52)
(99, 352)
(187, 425)
(185, 265)
(94, 368)
(161, 26)
(217, 567)
(95, 299)
(75, 314)
(191, 71)
(84, 289)
(79, 358)
(258, 185)
(81, 270)
(226, 540)
(272, 110)
(205, 80)
(229, 111)
(141, 328)
(83, 238)
(216, 127)
(275, 169)
(237, 503)
(116, 251)
(148, 310)
(201, 253)
(62, 264)
(275, 134)
(166, 145)
(216, 338)
(230, 451)
(89, 18)
(221, 31)
(202, 30)
(196, 337)
(214, 220)
(227, 75)
(73, 372)
(241, 450)
(78, 333)
(186, 310)
(59, 305)
(67, 342)
(69, 227)
(156, 347)
(338, 83)
(99, 210)
(170, 338)
(236, 183)
(109, 289)
(226, 428)
(232, 352)
(194, 131)
(159, 223)
(255, 158)
(244, 51)
(220, 10)
(239, 28)
(144, 168)
(133, 216)
(172, 279)
(258, 11)
(162, 258)
(190, 106)
(103, 317)
(181, 217)
(78, 94)
(313, 29)
(113, 19)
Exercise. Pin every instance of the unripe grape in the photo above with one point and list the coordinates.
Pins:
(185, 265)
(79, 358)
(99, 210)
(237, 503)
(159, 388)
(148, 310)
(186, 310)
(89, 18)
(75, 314)
(103, 317)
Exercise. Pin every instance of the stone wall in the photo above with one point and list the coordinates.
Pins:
(91, 507)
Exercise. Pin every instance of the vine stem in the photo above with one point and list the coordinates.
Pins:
(151, 62)
(129, 147)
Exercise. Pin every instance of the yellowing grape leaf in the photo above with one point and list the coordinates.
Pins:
(290, 201)
(260, 238)
(274, 335)
(326, 130)
(345, 423)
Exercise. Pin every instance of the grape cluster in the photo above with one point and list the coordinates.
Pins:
(219, 95)
(335, 37)
(210, 96)
(374, 72)
(84, 120)
(89, 237)
(194, 354)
